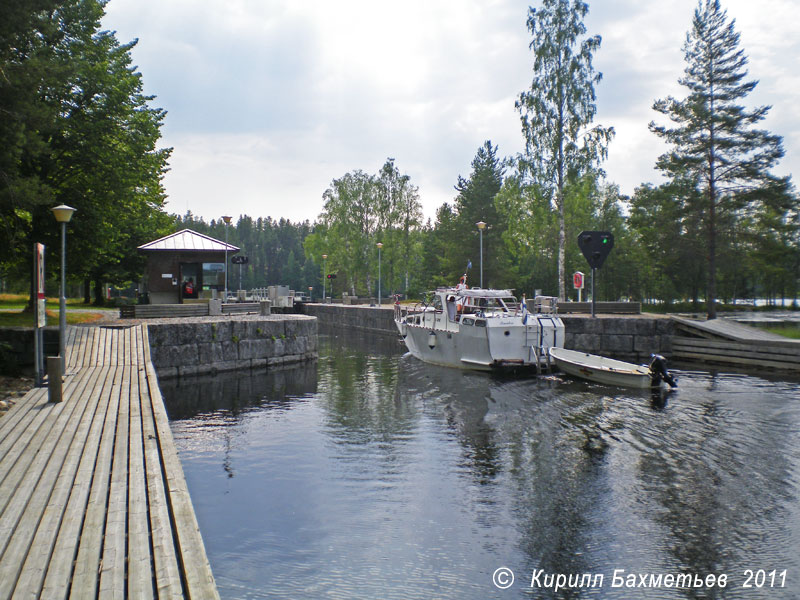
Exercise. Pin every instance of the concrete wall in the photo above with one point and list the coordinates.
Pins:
(371, 319)
(632, 337)
(228, 343)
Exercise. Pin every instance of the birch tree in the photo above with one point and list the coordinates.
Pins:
(558, 110)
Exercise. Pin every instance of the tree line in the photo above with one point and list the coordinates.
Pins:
(77, 129)
(722, 226)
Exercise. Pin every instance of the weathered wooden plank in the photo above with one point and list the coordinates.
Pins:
(733, 331)
(114, 346)
(199, 579)
(24, 511)
(69, 342)
(73, 352)
(86, 351)
(165, 556)
(784, 352)
(93, 495)
(90, 542)
(112, 572)
(140, 570)
(40, 553)
(25, 461)
(59, 570)
(25, 409)
(739, 355)
(629, 308)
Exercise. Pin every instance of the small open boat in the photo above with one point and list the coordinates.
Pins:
(612, 372)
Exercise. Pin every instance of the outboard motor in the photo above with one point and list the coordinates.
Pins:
(659, 373)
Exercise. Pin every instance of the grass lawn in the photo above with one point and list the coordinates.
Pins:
(793, 331)
(12, 315)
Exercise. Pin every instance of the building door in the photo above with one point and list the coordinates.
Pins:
(190, 282)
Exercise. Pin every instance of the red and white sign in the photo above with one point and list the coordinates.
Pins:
(577, 280)
(38, 266)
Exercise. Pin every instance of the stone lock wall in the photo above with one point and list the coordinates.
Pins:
(632, 338)
(372, 319)
(211, 345)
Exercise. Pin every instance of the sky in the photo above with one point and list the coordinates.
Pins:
(269, 101)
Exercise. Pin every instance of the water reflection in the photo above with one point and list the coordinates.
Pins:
(371, 475)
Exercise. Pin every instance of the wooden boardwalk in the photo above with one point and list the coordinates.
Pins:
(727, 342)
(93, 501)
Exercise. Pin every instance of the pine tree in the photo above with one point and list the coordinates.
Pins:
(714, 140)
(474, 203)
(559, 107)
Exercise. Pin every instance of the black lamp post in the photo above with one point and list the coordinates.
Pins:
(63, 214)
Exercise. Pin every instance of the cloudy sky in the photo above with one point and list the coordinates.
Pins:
(270, 100)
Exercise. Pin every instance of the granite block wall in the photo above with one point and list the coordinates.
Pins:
(229, 343)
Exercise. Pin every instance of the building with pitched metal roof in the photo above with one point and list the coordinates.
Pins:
(185, 266)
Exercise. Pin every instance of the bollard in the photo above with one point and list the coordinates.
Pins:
(54, 378)
(265, 309)
(214, 307)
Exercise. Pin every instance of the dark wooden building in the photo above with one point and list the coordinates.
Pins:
(185, 266)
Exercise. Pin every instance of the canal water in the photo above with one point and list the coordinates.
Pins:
(369, 475)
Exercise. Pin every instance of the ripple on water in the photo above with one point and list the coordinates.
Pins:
(382, 477)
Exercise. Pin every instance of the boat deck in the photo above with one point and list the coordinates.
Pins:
(93, 500)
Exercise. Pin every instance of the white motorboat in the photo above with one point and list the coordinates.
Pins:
(483, 329)
(610, 371)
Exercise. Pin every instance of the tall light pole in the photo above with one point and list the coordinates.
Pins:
(324, 275)
(380, 245)
(63, 214)
(227, 220)
(481, 226)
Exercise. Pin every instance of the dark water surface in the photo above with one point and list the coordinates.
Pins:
(369, 474)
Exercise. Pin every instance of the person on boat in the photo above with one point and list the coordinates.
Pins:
(451, 307)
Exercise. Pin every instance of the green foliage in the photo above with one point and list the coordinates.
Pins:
(360, 211)
(79, 132)
(717, 149)
(558, 109)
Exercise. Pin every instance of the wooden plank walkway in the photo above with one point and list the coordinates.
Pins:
(728, 342)
(93, 500)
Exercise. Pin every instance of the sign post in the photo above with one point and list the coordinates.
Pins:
(595, 246)
(240, 260)
(40, 313)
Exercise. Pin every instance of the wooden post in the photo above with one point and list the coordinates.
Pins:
(54, 378)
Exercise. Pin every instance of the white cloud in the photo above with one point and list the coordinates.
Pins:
(270, 100)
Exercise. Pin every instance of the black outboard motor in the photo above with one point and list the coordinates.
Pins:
(658, 371)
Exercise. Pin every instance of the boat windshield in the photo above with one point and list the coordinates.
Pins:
(496, 305)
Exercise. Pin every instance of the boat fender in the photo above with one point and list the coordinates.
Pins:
(431, 340)
(658, 371)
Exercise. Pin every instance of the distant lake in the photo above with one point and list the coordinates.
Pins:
(368, 474)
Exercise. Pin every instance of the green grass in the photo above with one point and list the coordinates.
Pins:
(12, 311)
(19, 301)
(23, 319)
(792, 331)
